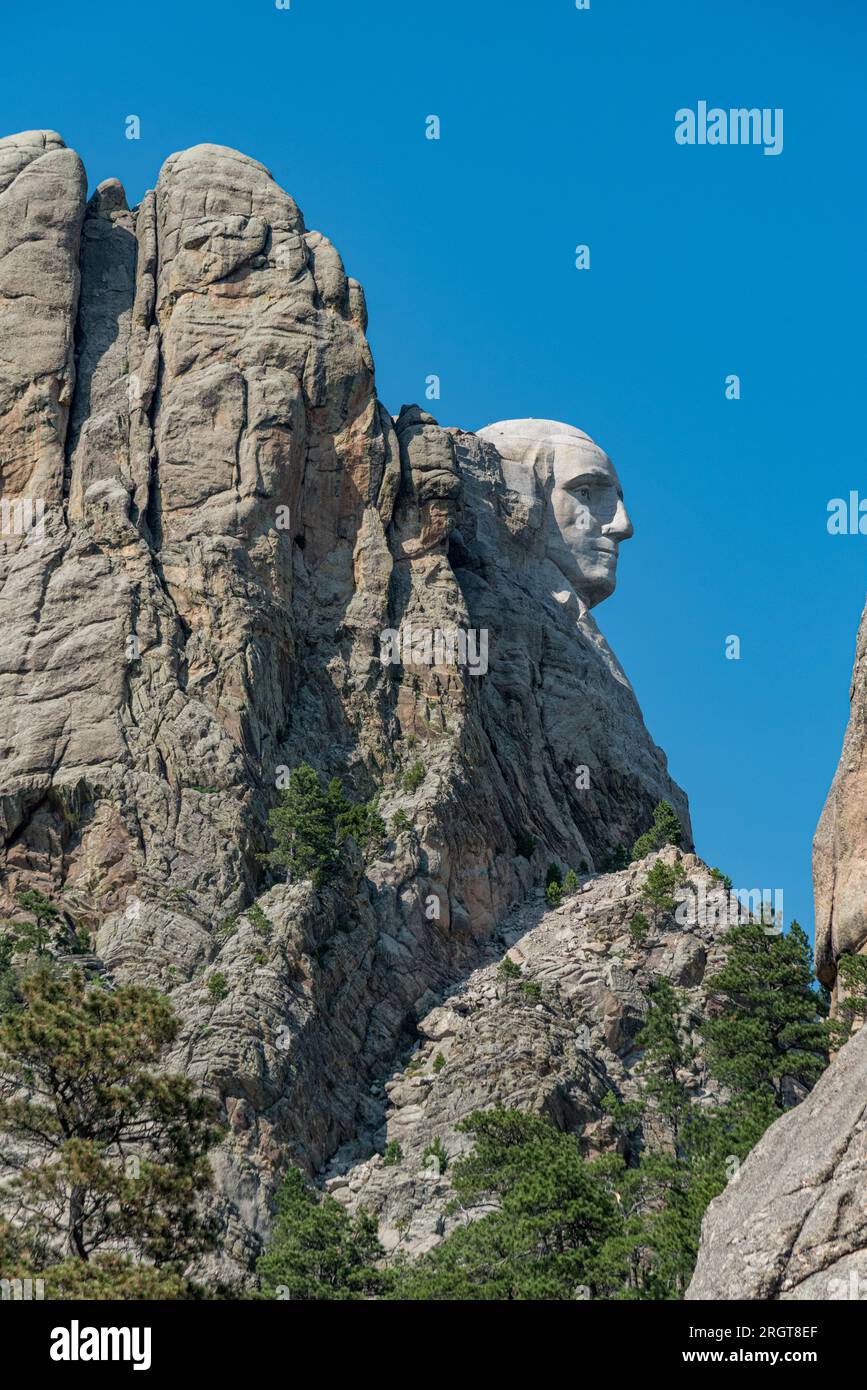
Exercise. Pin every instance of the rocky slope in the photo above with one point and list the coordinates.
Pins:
(209, 521)
(555, 1042)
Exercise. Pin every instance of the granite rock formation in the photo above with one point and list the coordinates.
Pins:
(840, 845)
(554, 1042)
(794, 1224)
(209, 522)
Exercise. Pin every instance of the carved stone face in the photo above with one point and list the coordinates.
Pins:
(584, 515)
(586, 501)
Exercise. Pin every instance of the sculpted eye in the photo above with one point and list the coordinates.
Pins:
(584, 494)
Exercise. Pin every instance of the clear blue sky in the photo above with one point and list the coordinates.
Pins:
(558, 128)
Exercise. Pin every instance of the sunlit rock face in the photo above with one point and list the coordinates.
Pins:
(230, 522)
(791, 1227)
(486, 1043)
(840, 845)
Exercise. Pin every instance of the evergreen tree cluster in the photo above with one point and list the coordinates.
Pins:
(542, 1222)
(310, 823)
(109, 1152)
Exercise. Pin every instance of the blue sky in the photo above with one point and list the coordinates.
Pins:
(558, 129)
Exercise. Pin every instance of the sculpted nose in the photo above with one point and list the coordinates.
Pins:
(619, 527)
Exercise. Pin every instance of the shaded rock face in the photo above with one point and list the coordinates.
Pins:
(555, 691)
(209, 522)
(554, 1041)
(792, 1225)
(840, 845)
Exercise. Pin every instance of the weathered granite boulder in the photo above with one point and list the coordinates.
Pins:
(793, 1222)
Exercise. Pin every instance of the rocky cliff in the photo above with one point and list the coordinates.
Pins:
(793, 1225)
(213, 535)
(554, 1037)
(840, 846)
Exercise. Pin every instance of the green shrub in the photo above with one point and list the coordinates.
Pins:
(570, 882)
(393, 1154)
(525, 844)
(554, 894)
(439, 1062)
(227, 928)
(435, 1153)
(258, 921)
(413, 777)
(618, 859)
(362, 821)
(507, 970)
(552, 874)
(218, 986)
(665, 829)
(639, 928)
(851, 998)
(531, 990)
(400, 822)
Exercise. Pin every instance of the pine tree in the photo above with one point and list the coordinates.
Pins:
(665, 829)
(105, 1150)
(554, 1211)
(361, 820)
(770, 1027)
(34, 937)
(658, 888)
(302, 824)
(309, 825)
(851, 998)
(665, 1055)
(318, 1251)
(10, 997)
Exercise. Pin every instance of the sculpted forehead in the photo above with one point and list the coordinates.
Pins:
(522, 434)
(550, 447)
(575, 461)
